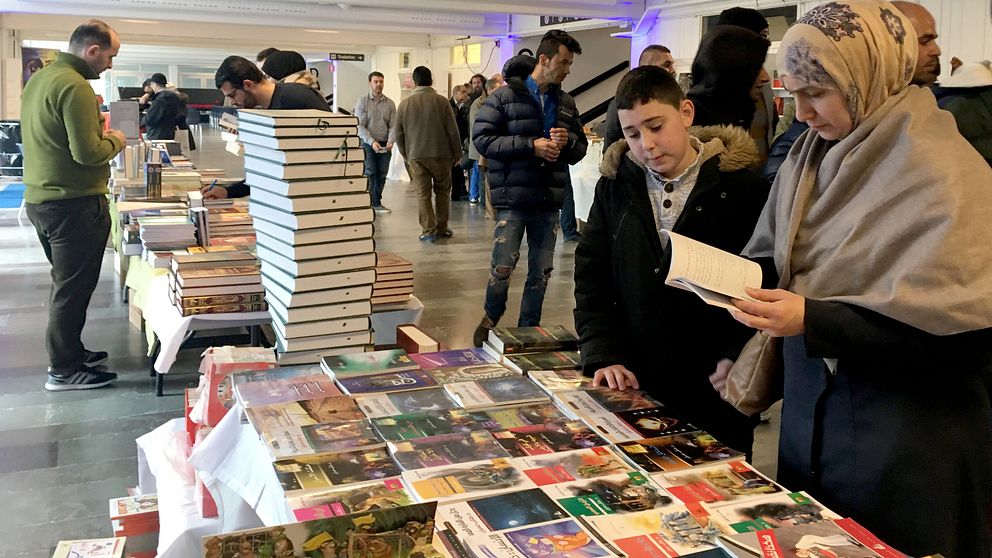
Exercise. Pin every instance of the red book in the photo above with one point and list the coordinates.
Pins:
(218, 364)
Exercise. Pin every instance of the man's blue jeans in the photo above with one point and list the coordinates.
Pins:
(541, 229)
(475, 183)
(376, 168)
(569, 228)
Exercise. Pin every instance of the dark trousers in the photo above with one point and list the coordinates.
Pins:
(73, 234)
(458, 189)
(569, 228)
(376, 168)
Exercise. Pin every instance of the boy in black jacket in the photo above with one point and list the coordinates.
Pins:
(634, 331)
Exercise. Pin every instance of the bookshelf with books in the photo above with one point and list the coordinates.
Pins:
(312, 219)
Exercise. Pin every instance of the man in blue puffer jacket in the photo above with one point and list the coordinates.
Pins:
(530, 133)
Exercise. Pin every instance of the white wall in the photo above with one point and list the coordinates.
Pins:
(352, 82)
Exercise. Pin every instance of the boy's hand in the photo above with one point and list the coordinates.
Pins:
(616, 376)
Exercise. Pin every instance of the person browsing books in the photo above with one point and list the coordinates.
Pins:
(633, 330)
(246, 86)
(876, 233)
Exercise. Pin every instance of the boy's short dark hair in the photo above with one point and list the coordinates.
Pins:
(646, 84)
(422, 76)
(376, 74)
(235, 70)
(159, 78)
(93, 32)
(264, 53)
(552, 39)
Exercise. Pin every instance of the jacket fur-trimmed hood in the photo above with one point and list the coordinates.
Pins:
(733, 145)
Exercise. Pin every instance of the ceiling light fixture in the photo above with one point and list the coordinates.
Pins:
(328, 31)
(146, 21)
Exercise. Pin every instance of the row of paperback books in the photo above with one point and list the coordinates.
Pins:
(216, 283)
(313, 223)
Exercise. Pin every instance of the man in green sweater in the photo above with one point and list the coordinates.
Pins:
(66, 167)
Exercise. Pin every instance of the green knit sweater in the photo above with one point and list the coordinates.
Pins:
(65, 153)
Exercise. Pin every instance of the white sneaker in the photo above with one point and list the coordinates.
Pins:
(382, 209)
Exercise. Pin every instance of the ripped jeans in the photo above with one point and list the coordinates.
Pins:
(541, 229)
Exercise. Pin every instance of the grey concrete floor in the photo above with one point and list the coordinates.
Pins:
(63, 455)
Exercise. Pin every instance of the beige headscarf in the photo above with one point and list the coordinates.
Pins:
(895, 217)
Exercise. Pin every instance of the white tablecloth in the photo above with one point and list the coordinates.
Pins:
(585, 175)
(171, 328)
(384, 323)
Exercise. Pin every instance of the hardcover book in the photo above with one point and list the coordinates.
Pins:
(386, 382)
(551, 437)
(363, 364)
(422, 425)
(495, 391)
(430, 400)
(572, 466)
(313, 473)
(465, 357)
(320, 186)
(513, 340)
(446, 449)
(470, 372)
(680, 451)
(466, 480)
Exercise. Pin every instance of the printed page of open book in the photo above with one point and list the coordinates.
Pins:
(714, 275)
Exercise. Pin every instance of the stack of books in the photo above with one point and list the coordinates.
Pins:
(227, 224)
(166, 232)
(216, 283)
(134, 515)
(393, 281)
(526, 349)
(313, 225)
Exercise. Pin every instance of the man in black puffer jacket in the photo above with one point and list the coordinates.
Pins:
(530, 133)
(163, 115)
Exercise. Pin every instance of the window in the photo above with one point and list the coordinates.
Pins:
(464, 55)
(405, 59)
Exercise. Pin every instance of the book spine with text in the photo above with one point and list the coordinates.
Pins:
(218, 300)
(225, 309)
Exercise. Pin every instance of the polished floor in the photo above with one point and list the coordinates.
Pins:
(63, 455)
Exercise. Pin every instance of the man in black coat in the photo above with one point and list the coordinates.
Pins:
(167, 110)
(530, 133)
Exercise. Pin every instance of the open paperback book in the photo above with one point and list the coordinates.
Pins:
(712, 274)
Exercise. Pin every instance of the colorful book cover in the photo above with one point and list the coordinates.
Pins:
(495, 391)
(308, 474)
(90, 548)
(386, 382)
(612, 427)
(656, 421)
(563, 539)
(559, 360)
(466, 480)
(274, 374)
(616, 401)
(518, 415)
(550, 437)
(430, 400)
(471, 372)
(422, 425)
(336, 437)
(572, 465)
(725, 482)
(632, 492)
(560, 380)
(511, 340)
(771, 512)
(447, 449)
(389, 493)
(823, 538)
(665, 532)
(496, 513)
(131, 506)
(465, 357)
(336, 408)
(272, 392)
(394, 532)
(392, 360)
(680, 451)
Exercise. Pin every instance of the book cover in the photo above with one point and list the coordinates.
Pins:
(553, 381)
(563, 539)
(823, 538)
(386, 382)
(90, 548)
(335, 408)
(515, 416)
(666, 532)
(632, 492)
(341, 437)
(275, 374)
(465, 480)
(312, 473)
(220, 365)
(656, 421)
(131, 507)
(469, 373)
(601, 401)
(422, 425)
(679, 451)
(550, 437)
(611, 427)
(466, 357)
(405, 402)
(495, 391)
(356, 364)
(388, 493)
(770, 512)
(561, 360)
(496, 513)
(396, 532)
(512, 340)
(724, 482)
(446, 449)
(572, 466)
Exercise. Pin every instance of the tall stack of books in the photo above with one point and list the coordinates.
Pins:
(393, 281)
(313, 225)
(216, 283)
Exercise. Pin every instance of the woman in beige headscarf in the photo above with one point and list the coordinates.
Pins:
(878, 229)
